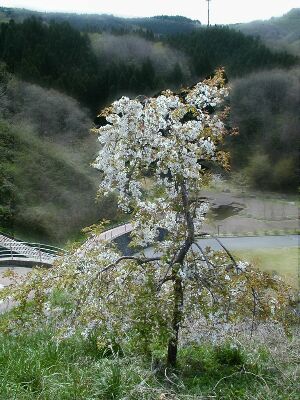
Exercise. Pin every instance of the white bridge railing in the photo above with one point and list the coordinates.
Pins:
(12, 249)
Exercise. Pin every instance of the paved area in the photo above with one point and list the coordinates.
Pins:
(241, 213)
(246, 243)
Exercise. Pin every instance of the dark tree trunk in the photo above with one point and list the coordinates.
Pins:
(177, 318)
(177, 281)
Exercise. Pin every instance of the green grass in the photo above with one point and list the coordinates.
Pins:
(283, 261)
(37, 367)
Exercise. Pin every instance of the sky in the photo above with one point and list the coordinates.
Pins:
(221, 11)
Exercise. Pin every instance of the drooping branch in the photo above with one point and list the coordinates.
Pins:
(223, 247)
(138, 260)
(208, 263)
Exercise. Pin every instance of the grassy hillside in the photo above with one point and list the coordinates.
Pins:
(283, 262)
(48, 189)
(49, 195)
(36, 366)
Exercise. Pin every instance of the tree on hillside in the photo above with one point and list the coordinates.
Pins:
(155, 154)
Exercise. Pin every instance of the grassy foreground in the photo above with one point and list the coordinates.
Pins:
(283, 261)
(36, 367)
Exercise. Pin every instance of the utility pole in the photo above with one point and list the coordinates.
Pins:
(208, 1)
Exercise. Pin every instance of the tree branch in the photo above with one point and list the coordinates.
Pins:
(222, 245)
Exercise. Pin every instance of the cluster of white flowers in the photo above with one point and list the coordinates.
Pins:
(200, 213)
(203, 95)
(242, 266)
(169, 138)
(152, 216)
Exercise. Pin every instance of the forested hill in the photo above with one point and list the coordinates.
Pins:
(211, 47)
(277, 32)
(88, 68)
(158, 25)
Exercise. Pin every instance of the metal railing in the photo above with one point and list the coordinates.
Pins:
(11, 249)
(14, 249)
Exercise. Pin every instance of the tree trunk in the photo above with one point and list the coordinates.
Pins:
(177, 318)
(177, 281)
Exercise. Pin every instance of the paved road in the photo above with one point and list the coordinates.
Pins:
(256, 242)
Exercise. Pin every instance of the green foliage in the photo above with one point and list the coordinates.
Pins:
(35, 52)
(101, 349)
(259, 170)
(36, 366)
(229, 354)
(261, 173)
(7, 186)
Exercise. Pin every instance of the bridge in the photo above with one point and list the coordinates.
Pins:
(14, 252)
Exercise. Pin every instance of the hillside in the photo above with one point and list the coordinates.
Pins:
(159, 25)
(209, 48)
(277, 32)
(265, 106)
(45, 151)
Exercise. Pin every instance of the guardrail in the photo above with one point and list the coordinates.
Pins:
(11, 249)
(14, 249)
